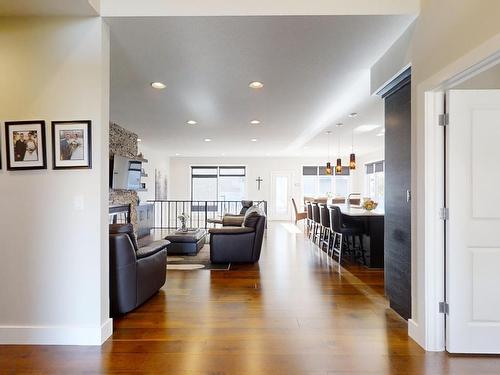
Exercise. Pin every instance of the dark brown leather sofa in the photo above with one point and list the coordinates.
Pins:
(238, 244)
(136, 274)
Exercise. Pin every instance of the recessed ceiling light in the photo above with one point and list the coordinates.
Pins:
(256, 85)
(139, 140)
(254, 139)
(191, 122)
(366, 128)
(353, 114)
(339, 124)
(255, 122)
(327, 132)
(177, 154)
(208, 140)
(158, 85)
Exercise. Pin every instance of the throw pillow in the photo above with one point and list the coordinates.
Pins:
(252, 216)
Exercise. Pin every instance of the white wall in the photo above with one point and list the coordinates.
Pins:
(158, 159)
(180, 173)
(448, 37)
(54, 256)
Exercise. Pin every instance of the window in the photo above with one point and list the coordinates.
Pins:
(231, 184)
(315, 182)
(218, 183)
(374, 181)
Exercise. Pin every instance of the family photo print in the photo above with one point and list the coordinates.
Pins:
(71, 144)
(25, 145)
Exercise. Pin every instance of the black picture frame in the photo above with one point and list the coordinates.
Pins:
(41, 148)
(85, 126)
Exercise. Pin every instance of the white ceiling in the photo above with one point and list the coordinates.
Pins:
(315, 70)
(47, 8)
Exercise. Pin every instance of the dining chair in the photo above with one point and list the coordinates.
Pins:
(298, 215)
(338, 200)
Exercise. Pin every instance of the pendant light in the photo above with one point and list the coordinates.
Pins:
(338, 167)
(352, 157)
(328, 170)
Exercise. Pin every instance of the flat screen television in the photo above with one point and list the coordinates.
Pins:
(125, 173)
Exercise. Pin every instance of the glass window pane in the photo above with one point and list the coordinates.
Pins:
(204, 171)
(345, 172)
(281, 195)
(232, 171)
(231, 188)
(341, 186)
(204, 189)
(310, 171)
(325, 185)
(310, 186)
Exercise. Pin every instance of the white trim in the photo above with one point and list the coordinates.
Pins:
(56, 335)
(476, 69)
(427, 325)
(398, 73)
(415, 333)
(106, 330)
(434, 227)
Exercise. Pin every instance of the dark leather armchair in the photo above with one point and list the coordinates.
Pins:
(136, 273)
(238, 244)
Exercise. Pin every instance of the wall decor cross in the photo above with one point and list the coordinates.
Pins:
(259, 181)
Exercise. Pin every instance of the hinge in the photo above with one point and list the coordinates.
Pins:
(444, 213)
(444, 119)
(444, 308)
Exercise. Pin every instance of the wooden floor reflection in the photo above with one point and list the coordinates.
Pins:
(293, 313)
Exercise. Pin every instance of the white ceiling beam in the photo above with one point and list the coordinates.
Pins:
(134, 8)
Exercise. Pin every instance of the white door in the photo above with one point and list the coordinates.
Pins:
(473, 228)
(281, 196)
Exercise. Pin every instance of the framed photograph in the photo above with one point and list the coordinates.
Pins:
(71, 144)
(25, 145)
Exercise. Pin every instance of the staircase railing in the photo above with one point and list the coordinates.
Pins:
(200, 212)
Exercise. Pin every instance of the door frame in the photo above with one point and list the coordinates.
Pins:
(427, 325)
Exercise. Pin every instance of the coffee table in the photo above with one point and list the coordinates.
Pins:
(186, 243)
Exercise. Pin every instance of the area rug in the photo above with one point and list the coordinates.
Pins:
(200, 261)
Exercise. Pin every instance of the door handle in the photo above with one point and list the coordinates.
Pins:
(408, 196)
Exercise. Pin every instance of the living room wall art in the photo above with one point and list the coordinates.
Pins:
(26, 145)
(72, 144)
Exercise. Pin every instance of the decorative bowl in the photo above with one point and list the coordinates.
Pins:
(370, 205)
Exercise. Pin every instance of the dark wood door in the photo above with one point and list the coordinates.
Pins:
(397, 233)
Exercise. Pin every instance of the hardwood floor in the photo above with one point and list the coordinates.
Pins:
(292, 313)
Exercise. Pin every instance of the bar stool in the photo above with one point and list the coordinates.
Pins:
(316, 222)
(335, 227)
(345, 233)
(309, 218)
(324, 216)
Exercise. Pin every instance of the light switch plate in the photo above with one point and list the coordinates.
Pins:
(78, 203)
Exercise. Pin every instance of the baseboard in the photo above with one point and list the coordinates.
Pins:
(414, 333)
(56, 335)
(106, 330)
